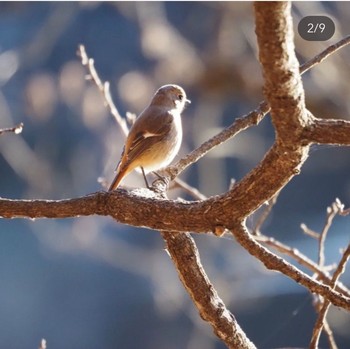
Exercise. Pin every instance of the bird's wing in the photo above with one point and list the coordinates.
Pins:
(145, 138)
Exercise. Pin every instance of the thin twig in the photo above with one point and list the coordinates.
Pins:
(322, 305)
(299, 257)
(274, 262)
(345, 212)
(104, 88)
(324, 54)
(331, 213)
(16, 129)
(194, 192)
(266, 212)
(43, 344)
(239, 125)
(325, 307)
(307, 231)
(330, 335)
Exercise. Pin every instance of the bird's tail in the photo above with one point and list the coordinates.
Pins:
(121, 173)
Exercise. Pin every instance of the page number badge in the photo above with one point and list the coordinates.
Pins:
(316, 28)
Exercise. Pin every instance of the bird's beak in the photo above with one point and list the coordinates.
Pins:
(187, 102)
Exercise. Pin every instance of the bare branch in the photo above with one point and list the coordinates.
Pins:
(331, 213)
(43, 344)
(321, 305)
(194, 192)
(16, 129)
(273, 262)
(103, 88)
(325, 307)
(261, 220)
(185, 256)
(330, 336)
(324, 54)
(302, 260)
(307, 231)
(131, 208)
(239, 125)
(328, 131)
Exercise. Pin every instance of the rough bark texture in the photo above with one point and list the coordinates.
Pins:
(185, 256)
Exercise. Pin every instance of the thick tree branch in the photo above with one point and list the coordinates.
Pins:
(328, 131)
(83, 206)
(160, 213)
(280, 69)
(283, 87)
(185, 256)
(143, 208)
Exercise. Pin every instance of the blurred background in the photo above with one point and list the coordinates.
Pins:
(93, 283)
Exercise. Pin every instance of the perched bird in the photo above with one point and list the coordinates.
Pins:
(155, 137)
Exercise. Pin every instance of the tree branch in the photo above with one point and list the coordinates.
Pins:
(103, 88)
(161, 215)
(328, 131)
(325, 307)
(273, 262)
(302, 260)
(185, 256)
(324, 54)
(283, 87)
(240, 124)
(16, 129)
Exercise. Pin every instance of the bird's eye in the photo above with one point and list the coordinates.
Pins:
(180, 97)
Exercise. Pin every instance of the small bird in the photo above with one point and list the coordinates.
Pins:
(155, 137)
